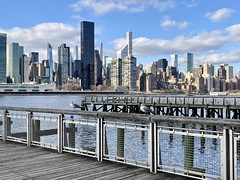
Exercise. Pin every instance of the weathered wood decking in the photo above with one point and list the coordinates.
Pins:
(18, 161)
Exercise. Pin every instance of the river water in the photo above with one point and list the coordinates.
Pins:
(52, 101)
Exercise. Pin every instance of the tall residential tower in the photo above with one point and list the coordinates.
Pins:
(50, 61)
(3, 57)
(87, 54)
(188, 62)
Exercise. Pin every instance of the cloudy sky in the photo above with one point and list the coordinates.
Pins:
(209, 29)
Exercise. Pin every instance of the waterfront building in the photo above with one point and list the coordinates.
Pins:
(229, 72)
(126, 50)
(197, 71)
(26, 62)
(188, 62)
(174, 60)
(87, 54)
(129, 76)
(116, 72)
(50, 62)
(15, 53)
(161, 64)
(142, 82)
(97, 68)
(221, 72)
(152, 68)
(3, 58)
(34, 57)
(208, 69)
(107, 62)
(76, 68)
(151, 83)
(63, 64)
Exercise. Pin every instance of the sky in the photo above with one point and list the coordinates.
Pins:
(208, 29)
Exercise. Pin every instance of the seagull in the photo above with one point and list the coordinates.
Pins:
(146, 109)
(74, 105)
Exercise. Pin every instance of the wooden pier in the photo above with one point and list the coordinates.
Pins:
(22, 162)
(189, 106)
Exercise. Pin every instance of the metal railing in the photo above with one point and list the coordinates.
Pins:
(166, 99)
(201, 148)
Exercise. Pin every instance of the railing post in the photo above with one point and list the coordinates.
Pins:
(153, 147)
(5, 125)
(100, 139)
(227, 154)
(29, 129)
(60, 133)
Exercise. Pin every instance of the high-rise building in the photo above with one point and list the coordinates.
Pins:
(126, 50)
(50, 61)
(63, 64)
(208, 69)
(3, 58)
(97, 68)
(15, 54)
(34, 57)
(26, 62)
(174, 60)
(221, 72)
(116, 72)
(162, 64)
(229, 72)
(188, 62)
(87, 54)
(129, 76)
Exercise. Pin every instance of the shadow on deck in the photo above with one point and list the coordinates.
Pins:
(18, 161)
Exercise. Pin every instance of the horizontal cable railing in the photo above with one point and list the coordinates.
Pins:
(202, 148)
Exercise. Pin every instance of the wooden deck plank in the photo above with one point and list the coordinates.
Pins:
(17, 161)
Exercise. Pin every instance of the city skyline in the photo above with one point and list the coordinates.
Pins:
(160, 28)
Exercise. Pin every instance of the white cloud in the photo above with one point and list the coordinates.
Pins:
(191, 4)
(219, 15)
(200, 43)
(167, 22)
(101, 7)
(234, 30)
(36, 38)
(220, 58)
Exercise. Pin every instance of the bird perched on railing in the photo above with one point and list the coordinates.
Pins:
(74, 105)
(146, 109)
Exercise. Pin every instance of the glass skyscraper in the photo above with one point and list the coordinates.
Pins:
(188, 63)
(3, 57)
(50, 61)
(15, 55)
(87, 54)
(63, 64)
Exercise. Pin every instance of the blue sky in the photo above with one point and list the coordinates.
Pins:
(209, 29)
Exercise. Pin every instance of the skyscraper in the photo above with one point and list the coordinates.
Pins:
(15, 54)
(63, 64)
(162, 64)
(34, 56)
(97, 68)
(188, 62)
(174, 60)
(3, 57)
(126, 50)
(129, 69)
(87, 54)
(50, 61)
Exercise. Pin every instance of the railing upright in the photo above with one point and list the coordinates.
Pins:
(29, 129)
(5, 121)
(100, 139)
(227, 154)
(60, 133)
(153, 146)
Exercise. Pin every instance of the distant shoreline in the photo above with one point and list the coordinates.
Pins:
(61, 93)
